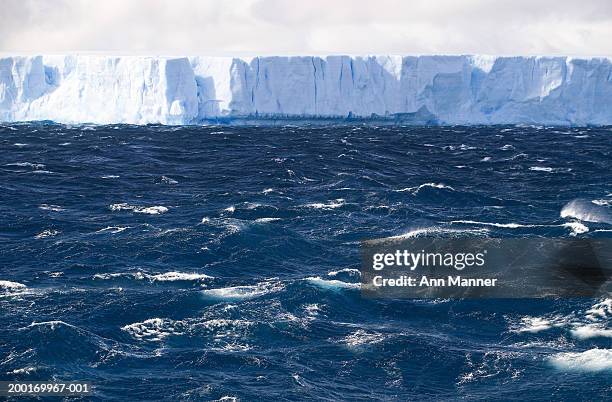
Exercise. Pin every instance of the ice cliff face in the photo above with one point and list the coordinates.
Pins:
(446, 89)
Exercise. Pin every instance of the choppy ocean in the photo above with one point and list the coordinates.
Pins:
(208, 263)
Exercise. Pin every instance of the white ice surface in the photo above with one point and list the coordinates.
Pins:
(448, 89)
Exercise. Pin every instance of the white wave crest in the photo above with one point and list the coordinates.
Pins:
(349, 271)
(541, 169)
(218, 324)
(591, 331)
(161, 277)
(49, 207)
(361, 337)
(533, 325)
(167, 180)
(332, 284)
(47, 233)
(9, 285)
(602, 203)
(27, 164)
(601, 310)
(436, 230)
(415, 190)
(52, 325)
(497, 225)
(592, 323)
(154, 210)
(589, 360)
(267, 220)
(586, 211)
(113, 229)
(24, 370)
(244, 292)
(154, 329)
(179, 276)
(329, 205)
(576, 228)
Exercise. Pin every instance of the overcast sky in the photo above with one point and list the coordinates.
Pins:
(209, 27)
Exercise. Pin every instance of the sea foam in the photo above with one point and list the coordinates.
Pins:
(589, 360)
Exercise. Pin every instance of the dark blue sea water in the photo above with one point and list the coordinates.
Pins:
(201, 263)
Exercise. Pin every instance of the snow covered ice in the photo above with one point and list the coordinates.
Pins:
(193, 90)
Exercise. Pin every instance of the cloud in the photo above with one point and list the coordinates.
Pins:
(312, 27)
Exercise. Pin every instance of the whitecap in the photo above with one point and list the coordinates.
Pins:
(461, 147)
(226, 398)
(591, 331)
(601, 310)
(576, 228)
(312, 310)
(533, 325)
(20, 144)
(109, 176)
(267, 220)
(27, 164)
(415, 190)
(541, 169)
(179, 276)
(47, 233)
(268, 191)
(589, 360)
(113, 229)
(154, 210)
(52, 324)
(350, 271)
(167, 180)
(495, 224)
(154, 329)
(243, 292)
(230, 209)
(434, 230)
(602, 203)
(329, 205)
(158, 277)
(49, 207)
(586, 211)
(9, 285)
(332, 284)
(24, 370)
(361, 337)
(221, 323)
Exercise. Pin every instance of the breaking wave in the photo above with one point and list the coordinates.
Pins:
(415, 190)
(244, 292)
(172, 276)
(154, 210)
(586, 211)
(589, 360)
(332, 284)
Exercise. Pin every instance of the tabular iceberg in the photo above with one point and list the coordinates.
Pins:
(192, 90)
